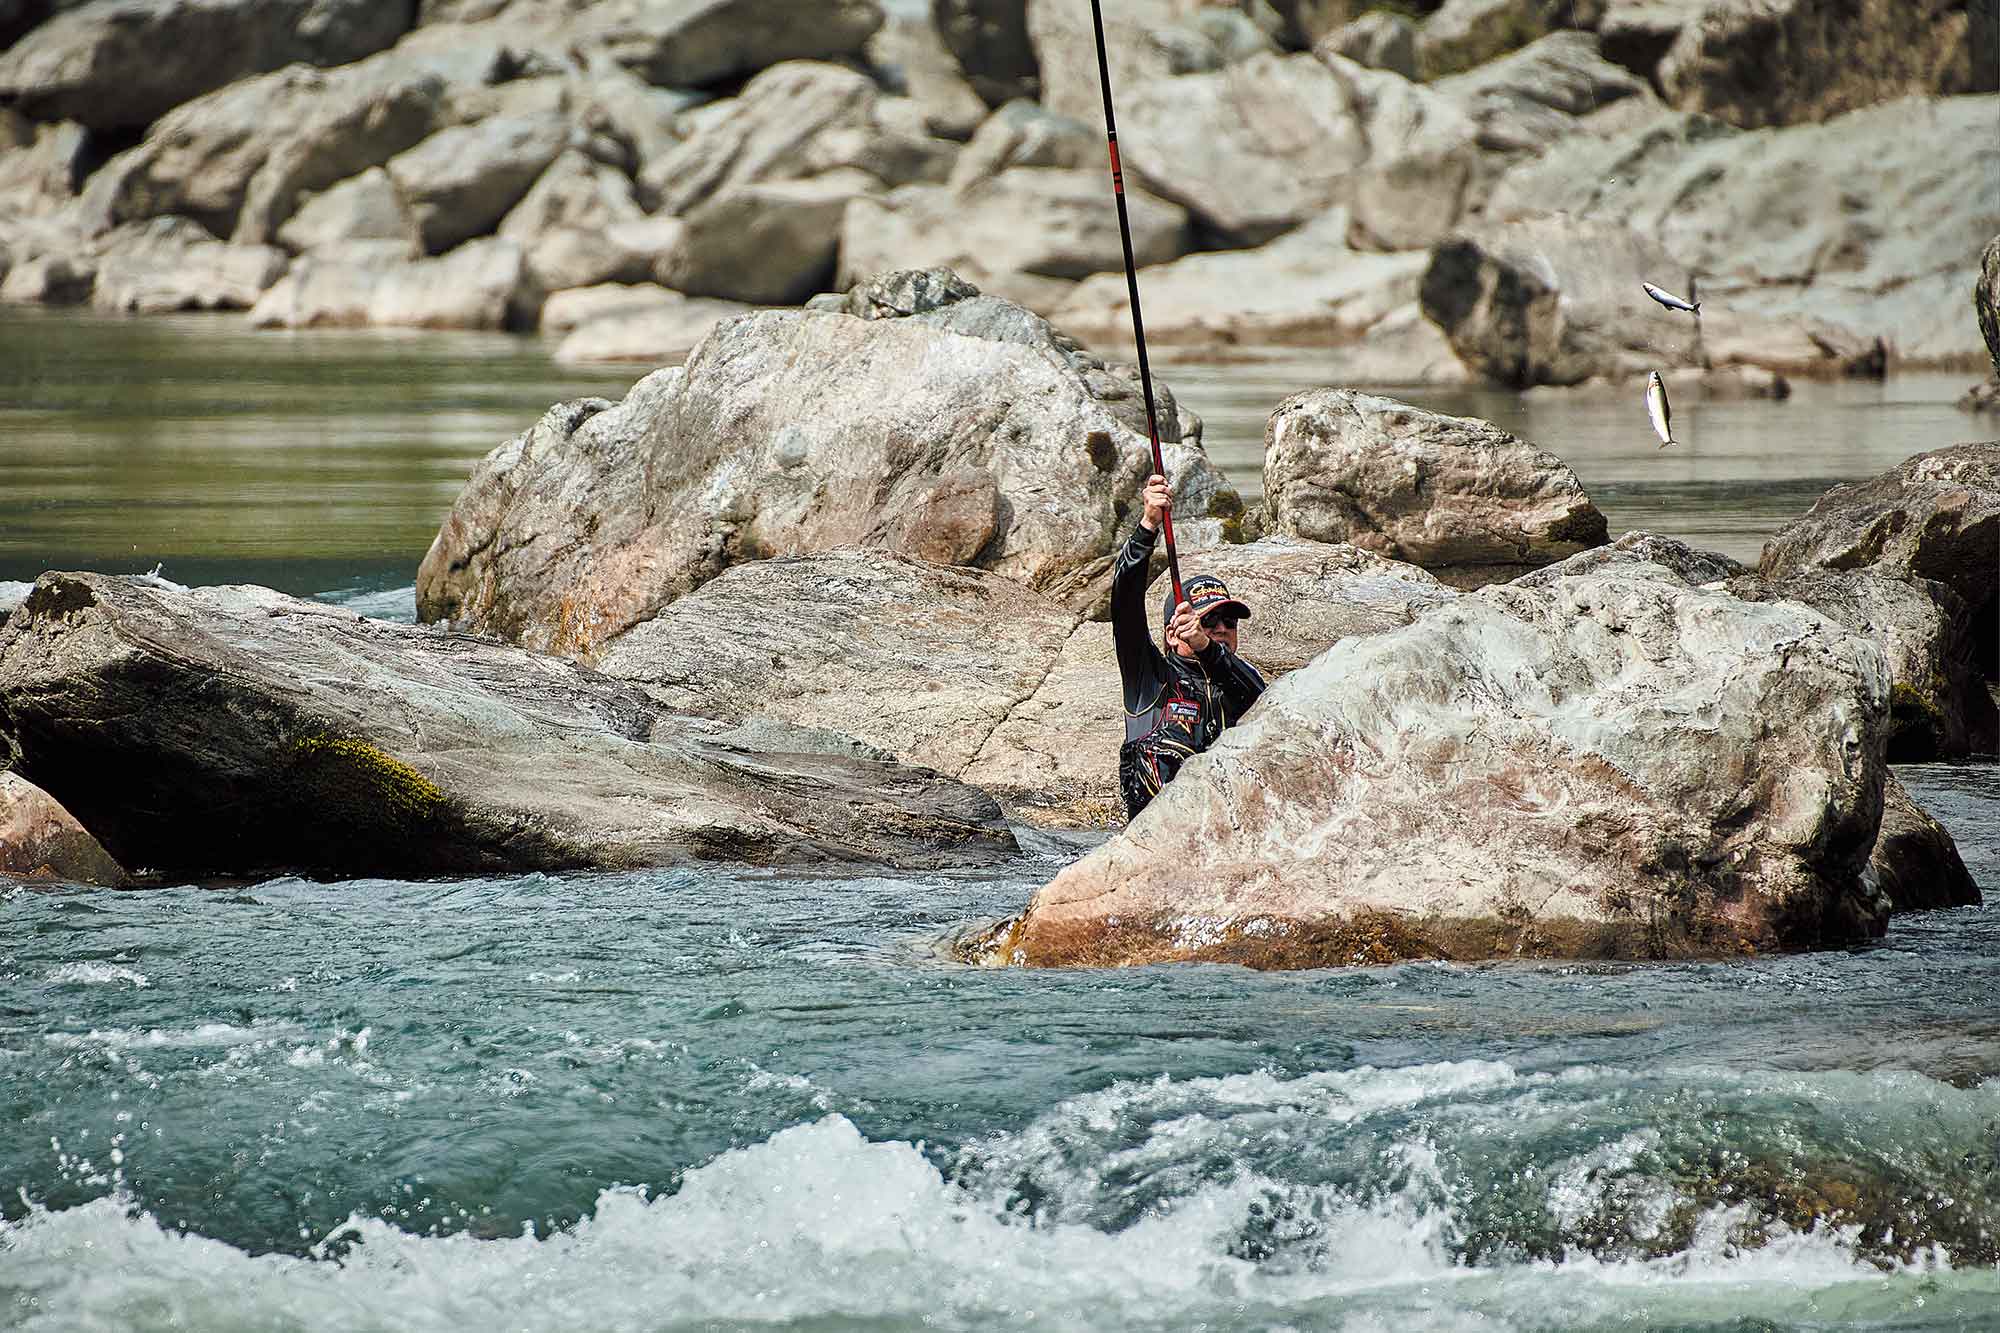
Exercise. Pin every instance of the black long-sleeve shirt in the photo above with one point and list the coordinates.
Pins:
(1175, 706)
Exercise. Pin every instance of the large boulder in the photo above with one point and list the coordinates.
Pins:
(767, 243)
(1145, 41)
(1054, 757)
(1454, 495)
(794, 120)
(366, 207)
(690, 43)
(1915, 863)
(483, 284)
(1585, 769)
(168, 264)
(121, 64)
(1549, 299)
(918, 659)
(1934, 516)
(1259, 147)
(1782, 62)
(1870, 222)
(1008, 230)
(40, 840)
(1024, 134)
(1526, 102)
(798, 431)
(239, 159)
(462, 181)
(239, 731)
(1304, 24)
(989, 39)
(909, 56)
(969, 673)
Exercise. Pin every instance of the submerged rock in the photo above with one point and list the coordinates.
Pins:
(40, 840)
(1585, 769)
(238, 731)
(1916, 864)
(796, 431)
(1454, 495)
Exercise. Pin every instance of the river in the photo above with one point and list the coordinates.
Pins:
(725, 1098)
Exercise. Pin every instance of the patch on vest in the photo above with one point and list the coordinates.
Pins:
(1181, 710)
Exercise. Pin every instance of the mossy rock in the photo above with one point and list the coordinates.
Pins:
(351, 783)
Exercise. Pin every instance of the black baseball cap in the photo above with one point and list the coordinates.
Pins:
(1205, 593)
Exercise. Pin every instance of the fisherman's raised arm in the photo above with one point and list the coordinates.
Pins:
(1140, 665)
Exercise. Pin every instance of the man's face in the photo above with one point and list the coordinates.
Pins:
(1220, 626)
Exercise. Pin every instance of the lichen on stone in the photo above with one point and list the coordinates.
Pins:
(341, 771)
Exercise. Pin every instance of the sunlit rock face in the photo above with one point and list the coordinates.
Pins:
(943, 424)
(1611, 764)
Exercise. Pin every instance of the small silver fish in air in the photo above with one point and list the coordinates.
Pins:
(1670, 301)
(1656, 408)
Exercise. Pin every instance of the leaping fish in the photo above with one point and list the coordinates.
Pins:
(1670, 301)
(1656, 408)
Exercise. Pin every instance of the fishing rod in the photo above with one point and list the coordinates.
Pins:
(1132, 288)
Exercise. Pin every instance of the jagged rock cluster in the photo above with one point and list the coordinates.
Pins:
(1475, 191)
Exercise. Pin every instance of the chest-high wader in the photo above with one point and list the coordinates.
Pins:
(1184, 721)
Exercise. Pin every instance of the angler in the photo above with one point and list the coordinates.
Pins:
(1178, 701)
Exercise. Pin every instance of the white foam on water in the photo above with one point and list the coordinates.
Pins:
(202, 1035)
(98, 974)
(819, 1224)
(393, 604)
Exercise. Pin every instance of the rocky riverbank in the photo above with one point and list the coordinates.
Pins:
(1472, 189)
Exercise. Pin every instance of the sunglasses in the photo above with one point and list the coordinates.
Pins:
(1220, 620)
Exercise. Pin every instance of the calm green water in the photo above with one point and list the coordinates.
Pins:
(325, 461)
(308, 462)
(718, 1098)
